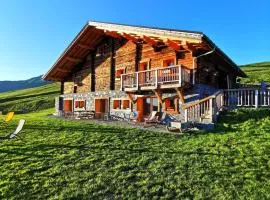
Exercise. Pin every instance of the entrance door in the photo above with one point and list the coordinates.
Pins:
(101, 107)
(68, 105)
(145, 105)
(141, 108)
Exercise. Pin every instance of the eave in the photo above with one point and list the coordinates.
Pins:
(93, 32)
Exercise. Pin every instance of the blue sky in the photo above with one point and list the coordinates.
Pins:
(34, 33)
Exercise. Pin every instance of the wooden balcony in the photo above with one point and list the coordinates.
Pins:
(158, 78)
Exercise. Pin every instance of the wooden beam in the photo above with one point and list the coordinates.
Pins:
(159, 95)
(131, 37)
(180, 94)
(131, 98)
(62, 87)
(72, 59)
(190, 47)
(160, 100)
(85, 46)
(56, 78)
(63, 70)
(176, 45)
(151, 41)
(113, 34)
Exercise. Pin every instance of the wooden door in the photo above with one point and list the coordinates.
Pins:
(101, 107)
(143, 107)
(68, 105)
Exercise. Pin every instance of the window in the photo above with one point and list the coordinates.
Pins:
(78, 80)
(119, 72)
(126, 104)
(103, 50)
(116, 104)
(154, 104)
(80, 104)
(168, 62)
(170, 104)
(121, 104)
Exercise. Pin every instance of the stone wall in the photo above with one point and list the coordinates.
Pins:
(110, 95)
(91, 96)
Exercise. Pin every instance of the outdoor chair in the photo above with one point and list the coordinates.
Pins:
(8, 118)
(16, 132)
(134, 116)
(162, 119)
(152, 118)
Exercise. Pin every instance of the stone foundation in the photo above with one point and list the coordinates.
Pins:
(110, 95)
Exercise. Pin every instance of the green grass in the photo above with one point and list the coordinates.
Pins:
(256, 72)
(60, 159)
(28, 100)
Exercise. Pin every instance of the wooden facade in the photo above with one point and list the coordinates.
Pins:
(153, 61)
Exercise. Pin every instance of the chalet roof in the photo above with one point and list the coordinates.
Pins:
(93, 32)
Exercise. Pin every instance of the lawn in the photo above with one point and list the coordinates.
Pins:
(256, 72)
(60, 159)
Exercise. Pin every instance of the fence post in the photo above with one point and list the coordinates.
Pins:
(180, 75)
(137, 80)
(121, 87)
(211, 108)
(256, 98)
(186, 115)
(222, 99)
(156, 75)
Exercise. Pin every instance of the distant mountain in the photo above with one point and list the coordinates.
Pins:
(18, 85)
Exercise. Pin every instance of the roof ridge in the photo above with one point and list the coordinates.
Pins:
(148, 27)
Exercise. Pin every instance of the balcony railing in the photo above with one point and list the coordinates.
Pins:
(165, 77)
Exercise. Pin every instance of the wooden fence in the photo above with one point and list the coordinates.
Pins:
(247, 97)
(210, 107)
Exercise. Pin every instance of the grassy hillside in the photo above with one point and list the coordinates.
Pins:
(19, 85)
(28, 100)
(61, 159)
(256, 72)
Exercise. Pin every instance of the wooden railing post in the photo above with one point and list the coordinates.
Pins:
(121, 87)
(180, 75)
(256, 98)
(211, 108)
(156, 77)
(186, 115)
(137, 80)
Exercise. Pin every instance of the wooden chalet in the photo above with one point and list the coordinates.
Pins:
(114, 69)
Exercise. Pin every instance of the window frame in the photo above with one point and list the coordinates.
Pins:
(79, 101)
(121, 106)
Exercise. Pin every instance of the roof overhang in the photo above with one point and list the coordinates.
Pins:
(224, 56)
(93, 32)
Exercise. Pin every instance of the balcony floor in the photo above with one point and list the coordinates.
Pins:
(153, 87)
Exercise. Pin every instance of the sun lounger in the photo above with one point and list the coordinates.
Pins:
(16, 132)
(152, 118)
(9, 116)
